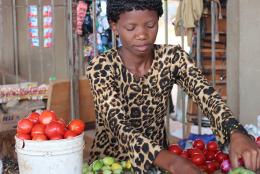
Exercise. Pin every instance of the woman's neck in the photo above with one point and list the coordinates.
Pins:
(138, 65)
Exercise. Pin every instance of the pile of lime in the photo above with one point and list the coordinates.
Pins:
(108, 165)
(241, 170)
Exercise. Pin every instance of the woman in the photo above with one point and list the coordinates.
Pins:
(131, 85)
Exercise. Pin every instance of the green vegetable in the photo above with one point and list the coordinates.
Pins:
(97, 165)
(108, 160)
(241, 170)
(116, 166)
(117, 171)
(123, 164)
(106, 168)
(107, 172)
(86, 168)
(128, 164)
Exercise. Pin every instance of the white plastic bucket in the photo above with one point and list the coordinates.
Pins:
(50, 157)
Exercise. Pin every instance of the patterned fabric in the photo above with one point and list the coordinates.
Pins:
(131, 110)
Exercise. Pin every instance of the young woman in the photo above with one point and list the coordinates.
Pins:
(131, 86)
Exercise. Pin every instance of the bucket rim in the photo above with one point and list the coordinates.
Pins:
(50, 141)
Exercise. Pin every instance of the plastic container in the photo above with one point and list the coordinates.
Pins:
(50, 157)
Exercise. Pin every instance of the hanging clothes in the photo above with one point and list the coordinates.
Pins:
(81, 13)
(188, 13)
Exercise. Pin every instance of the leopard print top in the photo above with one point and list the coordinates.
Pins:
(131, 111)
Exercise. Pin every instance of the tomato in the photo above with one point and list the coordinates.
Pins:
(61, 121)
(77, 126)
(54, 129)
(69, 134)
(34, 117)
(46, 117)
(56, 137)
(193, 151)
(38, 129)
(24, 126)
(175, 148)
(220, 157)
(198, 159)
(258, 141)
(212, 145)
(241, 162)
(184, 154)
(211, 167)
(39, 137)
(23, 136)
(210, 155)
(198, 144)
(216, 163)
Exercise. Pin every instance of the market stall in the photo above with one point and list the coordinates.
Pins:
(52, 43)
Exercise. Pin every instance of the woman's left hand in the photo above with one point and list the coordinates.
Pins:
(242, 146)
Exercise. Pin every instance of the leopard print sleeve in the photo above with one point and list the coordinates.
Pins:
(109, 106)
(191, 80)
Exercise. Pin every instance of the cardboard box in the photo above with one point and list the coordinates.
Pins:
(10, 114)
(9, 122)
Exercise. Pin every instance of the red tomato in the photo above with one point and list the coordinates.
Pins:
(175, 148)
(198, 144)
(34, 117)
(39, 137)
(38, 129)
(241, 162)
(47, 116)
(212, 145)
(216, 163)
(192, 152)
(211, 167)
(258, 141)
(24, 126)
(23, 136)
(77, 126)
(220, 156)
(210, 155)
(198, 159)
(56, 137)
(61, 121)
(54, 129)
(69, 134)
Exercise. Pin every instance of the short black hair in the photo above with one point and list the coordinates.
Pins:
(117, 7)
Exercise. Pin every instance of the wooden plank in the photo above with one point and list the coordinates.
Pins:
(59, 100)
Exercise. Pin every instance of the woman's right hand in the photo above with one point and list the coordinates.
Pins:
(175, 164)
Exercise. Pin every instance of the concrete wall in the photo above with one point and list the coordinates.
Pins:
(243, 58)
(35, 63)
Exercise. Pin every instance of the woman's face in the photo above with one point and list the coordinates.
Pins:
(137, 30)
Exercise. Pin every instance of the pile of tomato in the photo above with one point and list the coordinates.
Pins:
(47, 126)
(207, 157)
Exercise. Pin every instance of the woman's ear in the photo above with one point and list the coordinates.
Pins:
(114, 28)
